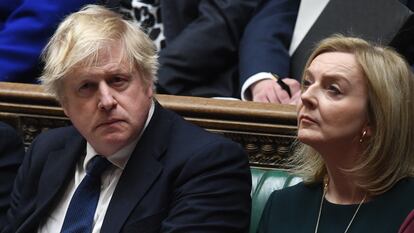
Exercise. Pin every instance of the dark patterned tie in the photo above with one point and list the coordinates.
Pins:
(81, 210)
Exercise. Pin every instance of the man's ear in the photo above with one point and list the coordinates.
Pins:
(66, 113)
(64, 107)
(149, 91)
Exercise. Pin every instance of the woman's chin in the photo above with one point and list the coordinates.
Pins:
(310, 140)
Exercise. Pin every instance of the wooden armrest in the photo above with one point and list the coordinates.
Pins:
(265, 130)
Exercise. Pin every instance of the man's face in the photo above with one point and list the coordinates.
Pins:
(108, 103)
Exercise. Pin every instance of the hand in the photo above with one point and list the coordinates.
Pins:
(269, 91)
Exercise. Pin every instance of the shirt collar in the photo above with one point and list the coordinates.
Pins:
(121, 157)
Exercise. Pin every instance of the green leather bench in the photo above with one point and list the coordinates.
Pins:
(266, 131)
(264, 182)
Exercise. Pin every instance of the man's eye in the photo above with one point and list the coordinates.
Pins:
(117, 81)
(85, 86)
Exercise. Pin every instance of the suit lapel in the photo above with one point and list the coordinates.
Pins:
(367, 19)
(140, 173)
(55, 177)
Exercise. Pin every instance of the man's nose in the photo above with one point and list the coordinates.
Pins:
(106, 97)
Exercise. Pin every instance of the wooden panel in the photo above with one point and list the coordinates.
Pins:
(265, 130)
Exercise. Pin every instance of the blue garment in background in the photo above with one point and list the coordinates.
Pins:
(25, 28)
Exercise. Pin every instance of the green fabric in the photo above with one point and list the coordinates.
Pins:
(264, 182)
(295, 209)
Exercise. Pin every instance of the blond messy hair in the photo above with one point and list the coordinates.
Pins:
(389, 155)
(79, 39)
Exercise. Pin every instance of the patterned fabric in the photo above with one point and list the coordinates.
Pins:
(147, 13)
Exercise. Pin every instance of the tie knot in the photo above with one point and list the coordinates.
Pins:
(97, 166)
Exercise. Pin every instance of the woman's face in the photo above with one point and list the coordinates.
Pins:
(334, 101)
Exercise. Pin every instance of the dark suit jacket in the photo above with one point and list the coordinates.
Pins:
(380, 21)
(179, 179)
(202, 37)
(266, 40)
(11, 156)
(202, 46)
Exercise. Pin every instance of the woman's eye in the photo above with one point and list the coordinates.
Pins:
(334, 90)
(305, 84)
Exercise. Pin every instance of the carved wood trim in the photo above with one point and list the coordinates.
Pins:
(266, 131)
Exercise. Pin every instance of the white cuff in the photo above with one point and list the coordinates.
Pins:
(245, 92)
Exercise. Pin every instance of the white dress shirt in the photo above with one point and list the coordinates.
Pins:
(54, 221)
(245, 93)
(309, 11)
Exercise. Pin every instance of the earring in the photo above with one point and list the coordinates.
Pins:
(363, 135)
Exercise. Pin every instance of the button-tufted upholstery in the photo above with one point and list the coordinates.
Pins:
(264, 182)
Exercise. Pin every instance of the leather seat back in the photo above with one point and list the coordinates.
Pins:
(264, 182)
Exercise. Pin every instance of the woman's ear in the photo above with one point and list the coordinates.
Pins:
(367, 129)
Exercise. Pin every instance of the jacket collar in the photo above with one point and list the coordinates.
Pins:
(141, 171)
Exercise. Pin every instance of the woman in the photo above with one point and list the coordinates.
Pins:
(355, 123)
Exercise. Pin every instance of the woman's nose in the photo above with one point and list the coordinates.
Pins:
(308, 97)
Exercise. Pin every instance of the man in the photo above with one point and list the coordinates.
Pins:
(164, 174)
(198, 41)
(11, 156)
(264, 53)
(280, 37)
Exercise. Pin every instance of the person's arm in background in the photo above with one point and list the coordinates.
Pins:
(265, 48)
(11, 156)
(26, 31)
(410, 5)
(204, 51)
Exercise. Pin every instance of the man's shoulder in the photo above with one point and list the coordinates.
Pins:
(186, 140)
(187, 132)
(4, 126)
(67, 131)
(57, 136)
(7, 132)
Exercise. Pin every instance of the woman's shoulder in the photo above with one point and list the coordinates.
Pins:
(404, 186)
(288, 206)
(407, 182)
(398, 198)
(296, 194)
